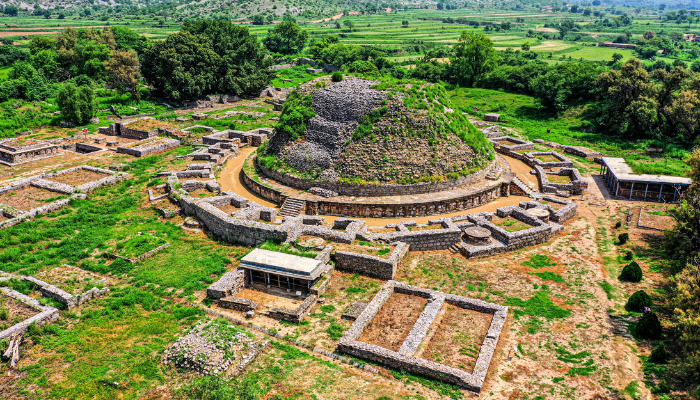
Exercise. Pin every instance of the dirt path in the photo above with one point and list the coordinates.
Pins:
(522, 170)
(229, 179)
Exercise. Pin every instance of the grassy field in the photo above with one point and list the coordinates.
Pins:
(524, 115)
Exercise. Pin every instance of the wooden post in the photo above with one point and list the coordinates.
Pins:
(252, 281)
(617, 186)
(661, 191)
(675, 191)
(631, 189)
(645, 192)
(289, 285)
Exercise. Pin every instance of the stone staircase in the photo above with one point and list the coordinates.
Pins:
(456, 248)
(525, 188)
(292, 207)
(495, 173)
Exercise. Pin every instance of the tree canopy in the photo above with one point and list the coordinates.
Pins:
(474, 56)
(207, 57)
(286, 38)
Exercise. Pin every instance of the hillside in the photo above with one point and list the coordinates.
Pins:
(180, 10)
(370, 131)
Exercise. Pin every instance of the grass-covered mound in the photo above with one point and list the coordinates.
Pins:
(368, 132)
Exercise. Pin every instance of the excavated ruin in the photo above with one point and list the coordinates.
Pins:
(396, 142)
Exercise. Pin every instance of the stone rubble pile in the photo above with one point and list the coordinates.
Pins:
(211, 349)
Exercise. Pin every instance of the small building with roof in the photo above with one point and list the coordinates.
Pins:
(623, 182)
(275, 270)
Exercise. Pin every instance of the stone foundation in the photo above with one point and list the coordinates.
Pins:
(405, 359)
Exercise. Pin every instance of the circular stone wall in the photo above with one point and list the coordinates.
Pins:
(459, 200)
(374, 190)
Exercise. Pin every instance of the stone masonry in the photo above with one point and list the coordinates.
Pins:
(405, 358)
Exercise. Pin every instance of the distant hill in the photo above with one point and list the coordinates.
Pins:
(180, 10)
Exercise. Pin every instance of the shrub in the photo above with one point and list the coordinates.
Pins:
(649, 327)
(77, 104)
(631, 272)
(659, 355)
(638, 301)
(4, 314)
(337, 76)
(629, 256)
(662, 388)
(618, 225)
(623, 238)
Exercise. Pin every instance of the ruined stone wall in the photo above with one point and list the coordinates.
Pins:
(404, 359)
(297, 315)
(45, 314)
(431, 239)
(369, 265)
(229, 284)
(232, 230)
(238, 304)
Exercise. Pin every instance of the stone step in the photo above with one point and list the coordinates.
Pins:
(456, 248)
(292, 207)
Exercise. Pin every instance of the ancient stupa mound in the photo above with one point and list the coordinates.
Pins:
(363, 131)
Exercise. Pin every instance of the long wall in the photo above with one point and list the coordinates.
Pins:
(374, 210)
(373, 190)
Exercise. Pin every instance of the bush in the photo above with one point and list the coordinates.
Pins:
(623, 238)
(662, 388)
(659, 355)
(629, 256)
(363, 67)
(649, 327)
(638, 301)
(77, 104)
(337, 76)
(618, 225)
(631, 272)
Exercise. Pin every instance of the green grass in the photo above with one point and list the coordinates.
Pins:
(608, 289)
(526, 115)
(540, 261)
(289, 248)
(139, 245)
(139, 326)
(548, 276)
(538, 305)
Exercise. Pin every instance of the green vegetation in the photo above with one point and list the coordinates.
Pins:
(538, 305)
(297, 112)
(632, 272)
(289, 248)
(623, 238)
(335, 330)
(648, 327)
(206, 57)
(540, 261)
(138, 246)
(638, 301)
(548, 276)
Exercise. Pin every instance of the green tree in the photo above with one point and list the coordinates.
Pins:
(207, 57)
(123, 72)
(474, 56)
(77, 104)
(616, 57)
(286, 38)
(349, 24)
(525, 46)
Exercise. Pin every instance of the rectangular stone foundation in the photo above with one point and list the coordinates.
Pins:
(404, 358)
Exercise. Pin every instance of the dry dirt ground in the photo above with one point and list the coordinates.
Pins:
(394, 321)
(28, 197)
(79, 177)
